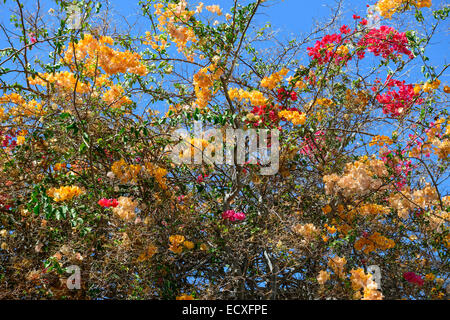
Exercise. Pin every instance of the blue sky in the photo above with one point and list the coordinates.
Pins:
(289, 17)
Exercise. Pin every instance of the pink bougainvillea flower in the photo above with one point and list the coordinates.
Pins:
(232, 216)
(239, 216)
(33, 39)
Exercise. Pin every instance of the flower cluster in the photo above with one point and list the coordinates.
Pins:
(64, 193)
(64, 81)
(385, 41)
(98, 54)
(388, 7)
(431, 86)
(232, 216)
(361, 281)
(331, 47)
(372, 209)
(12, 98)
(380, 141)
(59, 166)
(261, 114)
(373, 242)
(115, 97)
(283, 94)
(157, 173)
(255, 97)
(191, 146)
(413, 278)
(337, 264)
(107, 203)
(443, 149)
(396, 103)
(272, 81)
(401, 167)
(296, 117)
(20, 108)
(436, 141)
(189, 245)
(176, 242)
(325, 102)
(153, 40)
(126, 208)
(358, 178)
(171, 20)
(407, 200)
(203, 83)
(356, 101)
(214, 9)
(6, 139)
(309, 146)
(124, 171)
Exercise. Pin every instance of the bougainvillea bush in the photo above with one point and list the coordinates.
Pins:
(359, 207)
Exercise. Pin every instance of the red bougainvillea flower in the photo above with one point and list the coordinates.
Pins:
(107, 203)
(266, 114)
(413, 278)
(345, 30)
(327, 49)
(294, 96)
(385, 41)
(232, 216)
(396, 103)
(283, 95)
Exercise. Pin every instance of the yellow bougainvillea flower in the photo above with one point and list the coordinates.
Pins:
(189, 245)
(272, 81)
(176, 242)
(327, 209)
(64, 193)
(297, 118)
